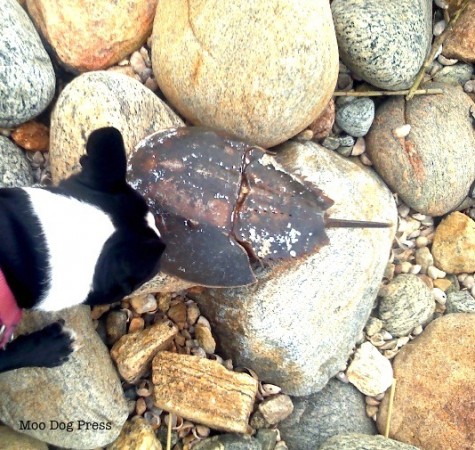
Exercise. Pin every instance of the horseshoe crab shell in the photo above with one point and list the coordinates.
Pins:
(222, 204)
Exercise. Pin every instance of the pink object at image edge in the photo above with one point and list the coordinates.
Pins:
(10, 313)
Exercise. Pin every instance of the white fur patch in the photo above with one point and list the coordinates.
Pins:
(151, 223)
(75, 233)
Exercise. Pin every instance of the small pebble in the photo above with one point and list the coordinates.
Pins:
(277, 408)
(422, 241)
(365, 160)
(331, 142)
(373, 326)
(440, 296)
(469, 86)
(359, 147)
(439, 28)
(356, 117)
(469, 282)
(144, 303)
(442, 4)
(402, 131)
(435, 273)
(447, 61)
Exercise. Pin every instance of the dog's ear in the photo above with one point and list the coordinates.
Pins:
(127, 261)
(104, 166)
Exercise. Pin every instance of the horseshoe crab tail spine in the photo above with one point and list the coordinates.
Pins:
(342, 223)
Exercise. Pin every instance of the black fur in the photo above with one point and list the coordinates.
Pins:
(128, 258)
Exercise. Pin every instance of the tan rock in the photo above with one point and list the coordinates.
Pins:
(276, 408)
(262, 70)
(370, 371)
(442, 283)
(100, 99)
(11, 440)
(203, 391)
(137, 434)
(460, 43)
(454, 244)
(33, 136)
(434, 403)
(143, 303)
(412, 165)
(205, 338)
(177, 313)
(134, 352)
(92, 35)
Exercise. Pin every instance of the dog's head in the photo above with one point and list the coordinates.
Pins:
(132, 254)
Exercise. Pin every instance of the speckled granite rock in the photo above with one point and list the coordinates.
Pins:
(303, 341)
(15, 170)
(356, 117)
(383, 42)
(460, 302)
(11, 440)
(99, 99)
(339, 408)
(431, 171)
(434, 400)
(27, 80)
(407, 302)
(85, 389)
(205, 54)
(357, 441)
(104, 32)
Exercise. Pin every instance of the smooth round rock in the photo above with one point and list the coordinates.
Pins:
(408, 303)
(300, 343)
(433, 402)
(339, 408)
(356, 117)
(261, 70)
(382, 42)
(433, 167)
(95, 35)
(27, 79)
(98, 99)
(15, 170)
(85, 389)
(357, 441)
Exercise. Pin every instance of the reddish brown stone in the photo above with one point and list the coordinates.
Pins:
(460, 43)
(434, 403)
(32, 136)
(322, 126)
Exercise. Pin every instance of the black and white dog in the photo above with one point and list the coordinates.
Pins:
(89, 240)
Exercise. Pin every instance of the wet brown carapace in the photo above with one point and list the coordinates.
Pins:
(221, 203)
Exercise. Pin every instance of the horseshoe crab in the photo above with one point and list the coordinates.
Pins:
(222, 205)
